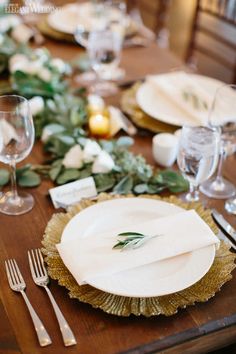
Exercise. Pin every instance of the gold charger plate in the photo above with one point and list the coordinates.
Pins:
(138, 116)
(203, 290)
(50, 32)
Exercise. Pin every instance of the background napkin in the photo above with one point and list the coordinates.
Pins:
(186, 93)
(91, 257)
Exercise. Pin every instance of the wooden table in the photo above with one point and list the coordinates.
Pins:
(196, 329)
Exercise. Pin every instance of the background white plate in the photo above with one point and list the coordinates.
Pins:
(164, 109)
(71, 15)
(156, 279)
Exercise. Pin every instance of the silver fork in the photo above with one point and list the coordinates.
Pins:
(17, 283)
(40, 277)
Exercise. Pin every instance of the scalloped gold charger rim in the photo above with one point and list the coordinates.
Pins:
(219, 273)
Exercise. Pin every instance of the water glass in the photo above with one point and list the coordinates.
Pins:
(104, 50)
(16, 141)
(223, 111)
(197, 156)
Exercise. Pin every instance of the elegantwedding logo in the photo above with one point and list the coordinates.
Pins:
(30, 7)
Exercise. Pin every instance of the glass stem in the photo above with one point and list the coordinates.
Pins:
(220, 166)
(13, 180)
(193, 194)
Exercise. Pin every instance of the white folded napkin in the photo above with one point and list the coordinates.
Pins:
(88, 258)
(186, 93)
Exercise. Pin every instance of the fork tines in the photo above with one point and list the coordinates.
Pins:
(36, 263)
(14, 275)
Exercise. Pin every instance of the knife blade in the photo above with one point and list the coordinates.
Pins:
(224, 226)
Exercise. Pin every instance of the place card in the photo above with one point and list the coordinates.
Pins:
(72, 193)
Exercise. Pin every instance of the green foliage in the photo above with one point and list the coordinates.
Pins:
(7, 49)
(66, 110)
(31, 85)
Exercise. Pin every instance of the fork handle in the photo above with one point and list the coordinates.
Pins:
(67, 334)
(42, 334)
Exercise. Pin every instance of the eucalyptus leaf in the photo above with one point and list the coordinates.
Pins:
(124, 186)
(21, 170)
(4, 176)
(125, 142)
(141, 188)
(68, 175)
(54, 172)
(29, 179)
(104, 182)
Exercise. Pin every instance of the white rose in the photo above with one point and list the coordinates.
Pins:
(42, 54)
(22, 33)
(59, 65)
(34, 67)
(18, 62)
(91, 150)
(8, 22)
(36, 105)
(45, 74)
(103, 163)
(73, 158)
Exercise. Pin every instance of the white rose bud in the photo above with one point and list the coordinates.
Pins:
(45, 74)
(18, 62)
(59, 65)
(73, 158)
(8, 22)
(91, 150)
(36, 105)
(34, 67)
(103, 163)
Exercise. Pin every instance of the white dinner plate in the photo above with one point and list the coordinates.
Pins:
(160, 107)
(156, 279)
(71, 15)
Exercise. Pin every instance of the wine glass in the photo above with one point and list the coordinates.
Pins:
(104, 50)
(197, 156)
(16, 142)
(230, 206)
(222, 112)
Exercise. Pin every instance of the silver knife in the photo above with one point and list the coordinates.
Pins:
(225, 227)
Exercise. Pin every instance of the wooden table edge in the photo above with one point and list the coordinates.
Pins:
(199, 338)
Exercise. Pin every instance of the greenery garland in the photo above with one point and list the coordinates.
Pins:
(64, 116)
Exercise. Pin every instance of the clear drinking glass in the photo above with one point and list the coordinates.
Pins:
(16, 142)
(104, 50)
(223, 111)
(230, 206)
(197, 156)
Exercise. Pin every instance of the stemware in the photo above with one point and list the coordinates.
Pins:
(230, 206)
(104, 50)
(222, 112)
(197, 156)
(16, 142)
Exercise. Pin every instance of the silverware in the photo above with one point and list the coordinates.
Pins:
(17, 283)
(40, 277)
(224, 226)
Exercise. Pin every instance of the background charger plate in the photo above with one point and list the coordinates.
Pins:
(156, 279)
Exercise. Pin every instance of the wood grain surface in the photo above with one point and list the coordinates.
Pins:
(197, 329)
